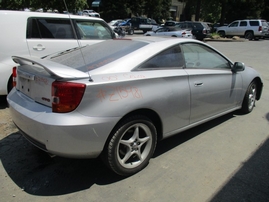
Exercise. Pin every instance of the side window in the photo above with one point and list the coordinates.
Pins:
(170, 58)
(93, 30)
(234, 24)
(48, 28)
(202, 57)
(243, 24)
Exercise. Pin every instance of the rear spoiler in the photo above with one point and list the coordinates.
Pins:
(52, 68)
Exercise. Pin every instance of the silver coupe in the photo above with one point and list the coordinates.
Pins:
(117, 98)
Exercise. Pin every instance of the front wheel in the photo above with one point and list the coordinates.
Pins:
(131, 146)
(221, 33)
(250, 98)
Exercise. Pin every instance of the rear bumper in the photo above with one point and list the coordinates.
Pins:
(70, 135)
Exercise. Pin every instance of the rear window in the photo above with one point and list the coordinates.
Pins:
(264, 23)
(96, 55)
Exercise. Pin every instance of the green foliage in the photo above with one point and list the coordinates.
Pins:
(206, 10)
(227, 10)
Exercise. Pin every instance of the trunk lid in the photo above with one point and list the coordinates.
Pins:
(35, 77)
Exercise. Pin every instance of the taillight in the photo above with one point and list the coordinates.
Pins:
(260, 28)
(204, 31)
(14, 76)
(183, 33)
(66, 96)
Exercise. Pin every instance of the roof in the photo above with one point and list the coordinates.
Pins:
(40, 14)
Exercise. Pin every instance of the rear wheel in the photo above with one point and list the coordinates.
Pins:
(250, 98)
(249, 35)
(131, 146)
(131, 31)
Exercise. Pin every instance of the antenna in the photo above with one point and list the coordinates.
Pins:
(76, 36)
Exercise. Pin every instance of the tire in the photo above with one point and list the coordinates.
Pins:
(250, 98)
(249, 35)
(131, 145)
(221, 33)
(131, 32)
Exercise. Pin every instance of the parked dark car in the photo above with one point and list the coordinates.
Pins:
(200, 30)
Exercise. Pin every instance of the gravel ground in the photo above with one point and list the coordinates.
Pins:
(6, 125)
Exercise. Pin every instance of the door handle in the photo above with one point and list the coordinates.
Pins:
(198, 84)
(39, 47)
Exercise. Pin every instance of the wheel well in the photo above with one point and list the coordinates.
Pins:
(249, 31)
(152, 115)
(260, 86)
(10, 84)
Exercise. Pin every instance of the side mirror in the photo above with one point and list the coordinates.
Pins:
(238, 67)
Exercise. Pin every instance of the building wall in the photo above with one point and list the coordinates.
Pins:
(176, 10)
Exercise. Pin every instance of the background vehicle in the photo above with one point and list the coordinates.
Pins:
(115, 23)
(39, 34)
(170, 32)
(200, 30)
(127, 26)
(250, 29)
(91, 13)
(97, 105)
(144, 24)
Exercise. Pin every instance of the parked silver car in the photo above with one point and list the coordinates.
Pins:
(185, 33)
(117, 98)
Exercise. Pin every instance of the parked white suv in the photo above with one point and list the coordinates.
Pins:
(40, 34)
(250, 29)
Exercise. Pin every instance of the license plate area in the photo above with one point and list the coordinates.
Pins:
(25, 86)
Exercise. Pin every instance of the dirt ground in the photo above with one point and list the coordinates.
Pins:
(6, 125)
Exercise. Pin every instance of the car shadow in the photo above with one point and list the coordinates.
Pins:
(250, 182)
(35, 172)
(171, 142)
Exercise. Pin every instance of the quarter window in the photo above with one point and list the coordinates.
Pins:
(93, 30)
(200, 56)
(170, 58)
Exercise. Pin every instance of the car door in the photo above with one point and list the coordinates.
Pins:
(161, 32)
(242, 28)
(214, 87)
(232, 29)
(172, 102)
(49, 35)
